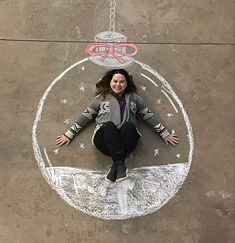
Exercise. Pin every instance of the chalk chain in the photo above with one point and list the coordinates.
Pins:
(112, 17)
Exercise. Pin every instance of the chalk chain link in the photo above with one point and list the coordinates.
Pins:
(112, 17)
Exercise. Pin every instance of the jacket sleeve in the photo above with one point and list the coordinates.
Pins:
(148, 116)
(88, 115)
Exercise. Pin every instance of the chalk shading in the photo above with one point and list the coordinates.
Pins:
(146, 189)
(111, 51)
(122, 191)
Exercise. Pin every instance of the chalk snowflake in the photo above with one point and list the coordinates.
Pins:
(82, 147)
(159, 101)
(170, 115)
(67, 121)
(143, 88)
(56, 151)
(64, 101)
(82, 88)
(178, 156)
(156, 152)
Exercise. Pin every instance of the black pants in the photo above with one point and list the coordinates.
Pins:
(117, 143)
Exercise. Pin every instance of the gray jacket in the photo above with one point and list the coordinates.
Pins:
(108, 109)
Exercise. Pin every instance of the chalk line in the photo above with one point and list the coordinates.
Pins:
(36, 148)
(149, 79)
(46, 155)
(176, 98)
(172, 103)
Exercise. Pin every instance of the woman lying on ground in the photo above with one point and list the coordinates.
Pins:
(114, 108)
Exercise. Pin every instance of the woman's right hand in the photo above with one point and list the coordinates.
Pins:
(62, 139)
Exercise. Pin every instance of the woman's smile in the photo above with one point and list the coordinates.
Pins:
(118, 84)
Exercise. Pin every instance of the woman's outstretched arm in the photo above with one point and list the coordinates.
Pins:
(149, 117)
(87, 116)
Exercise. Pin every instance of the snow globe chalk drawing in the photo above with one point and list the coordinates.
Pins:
(147, 188)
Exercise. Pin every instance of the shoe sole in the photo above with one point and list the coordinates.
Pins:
(123, 178)
(107, 179)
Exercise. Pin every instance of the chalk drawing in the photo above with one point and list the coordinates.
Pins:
(66, 121)
(64, 101)
(226, 195)
(153, 186)
(220, 194)
(111, 51)
(168, 91)
(156, 152)
(46, 155)
(82, 87)
(56, 151)
(122, 190)
(143, 88)
(82, 146)
(228, 212)
(147, 188)
(144, 75)
(159, 101)
(170, 115)
(178, 156)
(126, 228)
(172, 103)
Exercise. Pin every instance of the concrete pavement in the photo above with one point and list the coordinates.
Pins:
(190, 43)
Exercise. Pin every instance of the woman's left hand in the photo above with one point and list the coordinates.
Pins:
(172, 139)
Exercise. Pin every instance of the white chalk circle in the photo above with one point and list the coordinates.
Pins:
(145, 190)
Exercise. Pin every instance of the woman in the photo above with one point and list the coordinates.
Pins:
(114, 108)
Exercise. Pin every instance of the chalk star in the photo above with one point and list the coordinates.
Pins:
(56, 151)
(156, 152)
(78, 29)
(82, 147)
(83, 68)
(159, 101)
(143, 87)
(170, 115)
(82, 88)
(64, 101)
(66, 121)
(178, 156)
(173, 132)
(174, 50)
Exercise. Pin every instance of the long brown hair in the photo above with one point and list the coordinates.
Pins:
(103, 86)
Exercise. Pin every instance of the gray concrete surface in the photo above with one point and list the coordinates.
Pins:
(191, 43)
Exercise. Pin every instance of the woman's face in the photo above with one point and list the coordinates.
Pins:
(118, 84)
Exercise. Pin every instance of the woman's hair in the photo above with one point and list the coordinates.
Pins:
(103, 86)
